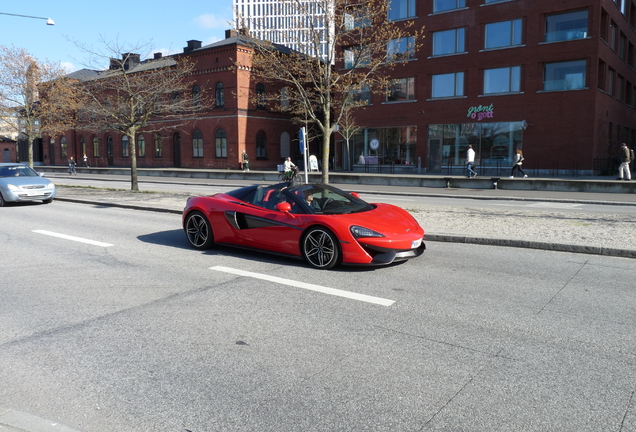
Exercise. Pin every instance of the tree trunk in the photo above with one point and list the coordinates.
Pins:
(30, 150)
(134, 185)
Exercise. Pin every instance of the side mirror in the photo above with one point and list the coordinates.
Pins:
(356, 194)
(284, 207)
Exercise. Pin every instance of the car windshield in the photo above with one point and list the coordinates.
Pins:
(323, 199)
(17, 171)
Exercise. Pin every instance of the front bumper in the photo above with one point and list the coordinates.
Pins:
(22, 194)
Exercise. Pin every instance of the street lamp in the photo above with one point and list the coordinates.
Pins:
(49, 21)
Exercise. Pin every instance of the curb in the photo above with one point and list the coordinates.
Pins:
(17, 421)
(448, 238)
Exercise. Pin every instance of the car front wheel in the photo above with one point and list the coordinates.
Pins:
(1, 201)
(199, 231)
(320, 248)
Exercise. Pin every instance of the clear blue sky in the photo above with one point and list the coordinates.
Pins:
(166, 24)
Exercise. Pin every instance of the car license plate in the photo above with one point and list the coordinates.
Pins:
(416, 243)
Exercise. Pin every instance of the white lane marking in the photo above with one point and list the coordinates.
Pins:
(307, 286)
(77, 239)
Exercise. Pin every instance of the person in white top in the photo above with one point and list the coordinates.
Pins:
(288, 165)
(470, 162)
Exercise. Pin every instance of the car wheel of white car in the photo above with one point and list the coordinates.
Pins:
(1, 201)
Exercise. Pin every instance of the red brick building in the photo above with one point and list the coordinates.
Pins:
(216, 138)
(555, 78)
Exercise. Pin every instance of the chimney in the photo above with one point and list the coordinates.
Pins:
(230, 33)
(192, 45)
(158, 55)
(130, 60)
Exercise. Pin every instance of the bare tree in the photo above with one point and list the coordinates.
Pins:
(23, 80)
(348, 128)
(351, 46)
(134, 94)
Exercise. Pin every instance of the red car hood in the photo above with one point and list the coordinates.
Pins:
(385, 219)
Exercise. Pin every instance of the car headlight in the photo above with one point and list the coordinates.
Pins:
(13, 188)
(359, 232)
(50, 185)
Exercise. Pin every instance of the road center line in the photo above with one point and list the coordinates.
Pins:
(307, 286)
(77, 239)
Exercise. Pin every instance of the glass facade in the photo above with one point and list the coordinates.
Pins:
(385, 146)
(494, 144)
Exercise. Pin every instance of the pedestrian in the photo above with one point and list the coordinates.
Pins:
(71, 166)
(516, 165)
(85, 160)
(246, 161)
(470, 161)
(625, 161)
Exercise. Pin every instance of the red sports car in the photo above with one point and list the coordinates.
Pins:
(317, 222)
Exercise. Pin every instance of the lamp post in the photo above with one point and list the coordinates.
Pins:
(49, 21)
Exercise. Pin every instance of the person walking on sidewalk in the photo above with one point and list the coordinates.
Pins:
(625, 161)
(517, 164)
(470, 161)
(246, 161)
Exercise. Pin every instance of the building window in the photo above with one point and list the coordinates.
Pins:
(564, 75)
(357, 17)
(601, 75)
(400, 90)
(220, 143)
(449, 42)
(196, 96)
(401, 49)
(63, 147)
(125, 146)
(260, 96)
(611, 88)
(261, 145)
(360, 95)
(284, 99)
(219, 95)
(355, 56)
(445, 5)
(95, 147)
(503, 34)
(197, 144)
(566, 26)
(401, 9)
(158, 146)
(141, 146)
(448, 85)
(502, 80)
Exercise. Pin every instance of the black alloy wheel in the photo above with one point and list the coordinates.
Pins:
(199, 231)
(320, 248)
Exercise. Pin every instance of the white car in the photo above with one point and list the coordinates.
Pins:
(21, 183)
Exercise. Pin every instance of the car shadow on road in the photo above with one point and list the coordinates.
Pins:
(172, 238)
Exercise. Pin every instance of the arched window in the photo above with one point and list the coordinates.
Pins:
(125, 146)
(220, 143)
(141, 146)
(83, 145)
(95, 147)
(63, 147)
(196, 96)
(285, 148)
(260, 96)
(284, 99)
(197, 144)
(219, 96)
(261, 145)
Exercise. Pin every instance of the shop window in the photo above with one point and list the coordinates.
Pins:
(503, 34)
(95, 147)
(141, 146)
(401, 9)
(502, 80)
(566, 26)
(564, 75)
(261, 145)
(401, 90)
(449, 42)
(219, 95)
(197, 144)
(125, 146)
(220, 143)
(158, 146)
(448, 85)
(393, 146)
(401, 49)
(446, 5)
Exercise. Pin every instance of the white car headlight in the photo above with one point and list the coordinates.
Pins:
(50, 185)
(359, 232)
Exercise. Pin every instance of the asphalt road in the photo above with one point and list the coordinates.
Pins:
(122, 326)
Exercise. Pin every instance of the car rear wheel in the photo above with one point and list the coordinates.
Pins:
(199, 231)
(320, 248)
